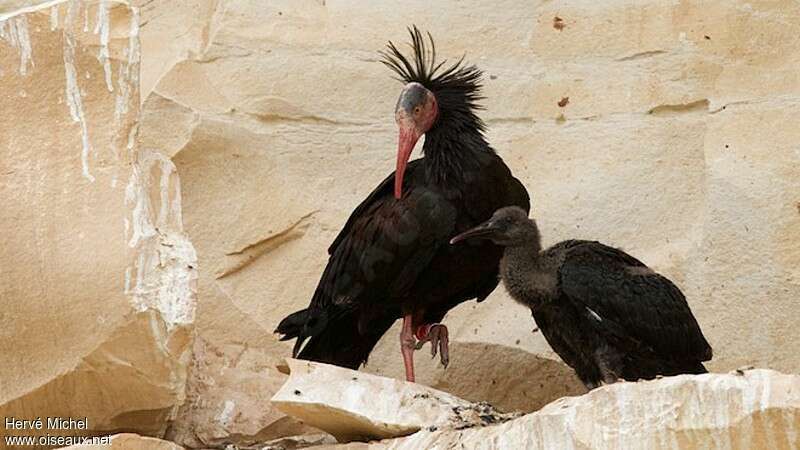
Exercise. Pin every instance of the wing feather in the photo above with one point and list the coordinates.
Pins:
(383, 250)
(381, 192)
(632, 300)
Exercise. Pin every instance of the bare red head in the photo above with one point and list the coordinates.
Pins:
(415, 114)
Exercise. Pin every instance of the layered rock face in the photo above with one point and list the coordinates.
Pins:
(665, 128)
(97, 279)
(659, 127)
(740, 410)
(745, 409)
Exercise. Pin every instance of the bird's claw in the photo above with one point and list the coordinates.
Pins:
(437, 335)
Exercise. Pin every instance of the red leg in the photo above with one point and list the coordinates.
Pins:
(437, 335)
(407, 345)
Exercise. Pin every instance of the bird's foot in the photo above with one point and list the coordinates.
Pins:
(437, 335)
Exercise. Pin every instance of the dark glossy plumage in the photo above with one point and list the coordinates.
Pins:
(605, 313)
(392, 257)
(645, 327)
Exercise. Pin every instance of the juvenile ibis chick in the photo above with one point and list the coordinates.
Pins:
(605, 313)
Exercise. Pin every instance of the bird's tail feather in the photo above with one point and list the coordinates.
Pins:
(292, 325)
(333, 338)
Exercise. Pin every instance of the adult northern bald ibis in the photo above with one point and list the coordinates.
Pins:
(392, 259)
(605, 313)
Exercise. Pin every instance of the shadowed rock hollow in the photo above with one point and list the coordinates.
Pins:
(509, 378)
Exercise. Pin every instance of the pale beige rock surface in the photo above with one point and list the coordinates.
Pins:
(675, 143)
(359, 406)
(129, 441)
(300, 441)
(757, 409)
(246, 416)
(97, 279)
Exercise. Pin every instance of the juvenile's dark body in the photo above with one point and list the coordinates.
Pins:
(605, 313)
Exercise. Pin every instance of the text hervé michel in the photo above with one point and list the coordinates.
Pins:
(49, 423)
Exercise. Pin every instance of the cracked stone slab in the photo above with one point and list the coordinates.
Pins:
(358, 406)
(741, 410)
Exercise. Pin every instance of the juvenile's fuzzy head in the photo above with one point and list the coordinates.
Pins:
(509, 227)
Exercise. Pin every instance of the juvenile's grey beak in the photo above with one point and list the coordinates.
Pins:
(482, 231)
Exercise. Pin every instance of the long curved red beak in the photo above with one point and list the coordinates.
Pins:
(406, 141)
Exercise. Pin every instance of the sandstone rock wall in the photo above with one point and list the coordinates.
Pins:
(97, 279)
(665, 128)
(675, 142)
